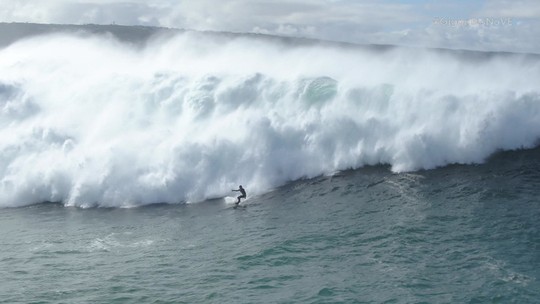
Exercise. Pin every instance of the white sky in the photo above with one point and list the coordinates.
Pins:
(475, 24)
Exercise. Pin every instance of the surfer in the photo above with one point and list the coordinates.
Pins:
(241, 196)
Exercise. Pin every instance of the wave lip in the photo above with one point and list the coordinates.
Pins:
(93, 122)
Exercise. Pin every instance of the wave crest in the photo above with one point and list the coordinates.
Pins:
(90, 122)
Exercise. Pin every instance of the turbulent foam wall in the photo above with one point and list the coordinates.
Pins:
(92, 122)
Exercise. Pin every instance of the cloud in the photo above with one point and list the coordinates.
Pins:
(359, 21)
(77, 12)
(511, 9)
(211, 14)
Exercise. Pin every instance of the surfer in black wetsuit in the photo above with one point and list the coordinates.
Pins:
(241, 196)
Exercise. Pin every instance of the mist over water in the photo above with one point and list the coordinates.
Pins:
(94, 122)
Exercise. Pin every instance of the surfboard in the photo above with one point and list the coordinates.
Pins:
(232, 200)
(230, 203)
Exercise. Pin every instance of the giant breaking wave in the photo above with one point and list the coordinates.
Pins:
(95, 122)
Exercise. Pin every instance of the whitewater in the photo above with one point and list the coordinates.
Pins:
(91, 121)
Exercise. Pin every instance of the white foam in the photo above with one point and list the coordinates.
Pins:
(91, 122)
(229, 200)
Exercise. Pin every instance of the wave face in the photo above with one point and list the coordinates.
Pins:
(94, 122)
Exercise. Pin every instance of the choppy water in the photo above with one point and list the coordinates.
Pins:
(460, 234)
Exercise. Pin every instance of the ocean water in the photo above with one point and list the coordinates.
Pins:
(374, 175)
(460, 234)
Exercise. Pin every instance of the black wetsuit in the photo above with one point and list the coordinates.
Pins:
(241, 196)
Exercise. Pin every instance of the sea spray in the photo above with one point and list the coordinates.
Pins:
(94, 122)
